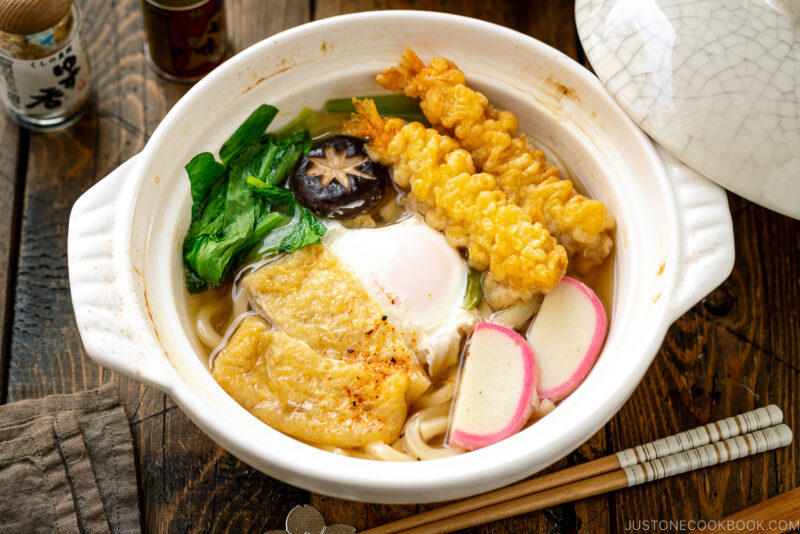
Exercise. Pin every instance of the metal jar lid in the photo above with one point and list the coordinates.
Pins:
(24, 17)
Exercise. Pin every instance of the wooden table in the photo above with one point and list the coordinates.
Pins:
(737, 349)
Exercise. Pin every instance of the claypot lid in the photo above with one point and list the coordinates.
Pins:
(24, 17)
(715, 83)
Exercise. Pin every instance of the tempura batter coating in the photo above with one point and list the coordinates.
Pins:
(522, 257)
(582, 225)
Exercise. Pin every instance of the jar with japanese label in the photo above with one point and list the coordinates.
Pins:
(44, 69)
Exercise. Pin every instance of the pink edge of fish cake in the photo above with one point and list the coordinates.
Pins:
(471, 441)
(590, 357)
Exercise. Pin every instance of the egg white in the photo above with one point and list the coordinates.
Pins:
(416, 277)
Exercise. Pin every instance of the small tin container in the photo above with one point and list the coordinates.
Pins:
(186, 39)
(44, 68)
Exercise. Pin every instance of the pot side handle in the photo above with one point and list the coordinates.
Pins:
(115, 329)
(706, 235)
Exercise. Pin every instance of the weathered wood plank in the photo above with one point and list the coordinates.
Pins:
(781, 258)
(187, 482)
(734, 351)
(251, 21)
(47, 355)
(15, 144)
(742, 341)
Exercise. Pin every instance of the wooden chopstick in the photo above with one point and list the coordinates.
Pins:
(697, 437)
(711, 454)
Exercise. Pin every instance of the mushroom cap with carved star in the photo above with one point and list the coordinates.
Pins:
(337, 179)
(336, 165)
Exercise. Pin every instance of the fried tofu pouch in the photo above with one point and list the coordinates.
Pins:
(299, 392)
(582, 225)
(509, 241)
(334, 371)
(311, 296)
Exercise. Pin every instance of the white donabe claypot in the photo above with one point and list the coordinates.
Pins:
(673, 240)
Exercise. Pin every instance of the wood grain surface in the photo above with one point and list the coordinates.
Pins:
(737, 349)
(15, 144)
(765, 517)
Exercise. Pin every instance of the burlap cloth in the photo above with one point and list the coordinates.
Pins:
(66, 465)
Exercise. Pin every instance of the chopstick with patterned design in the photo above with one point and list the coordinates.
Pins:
(658, 456)
(707, 455)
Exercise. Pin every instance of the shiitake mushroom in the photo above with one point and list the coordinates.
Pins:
(337, 179)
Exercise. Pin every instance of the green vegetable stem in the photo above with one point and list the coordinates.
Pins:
(395, 105)
(474, 292)
(298, 124)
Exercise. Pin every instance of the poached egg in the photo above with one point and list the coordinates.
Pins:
(416, 277)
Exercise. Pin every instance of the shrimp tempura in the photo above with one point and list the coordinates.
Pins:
(582, 225)
(522, 257)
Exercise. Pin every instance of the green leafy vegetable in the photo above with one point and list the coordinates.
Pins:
(474, 292)
(271, 193)
(289, 151)
(203, 172)
(298, 124)
(303, 229)
(265, 161)
(211, 220)
(279, 157)
(316, 226)
(395, 105)
(238, 210)
(263, 226)
(306, 231)
(271, 242)
(240, 203)
(248, 133)
(194, 283)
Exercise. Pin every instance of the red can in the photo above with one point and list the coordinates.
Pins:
(186, 39)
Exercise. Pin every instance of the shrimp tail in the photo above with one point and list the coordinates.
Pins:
(411, 77)
(401, 78)
(366, 122)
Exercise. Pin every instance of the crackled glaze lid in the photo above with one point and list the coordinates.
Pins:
(715, 83)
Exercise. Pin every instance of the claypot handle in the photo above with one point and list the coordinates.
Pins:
(706, 235)
(116, 331)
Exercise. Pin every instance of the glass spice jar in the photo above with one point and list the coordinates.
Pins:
(186, 39)
(44, 69)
